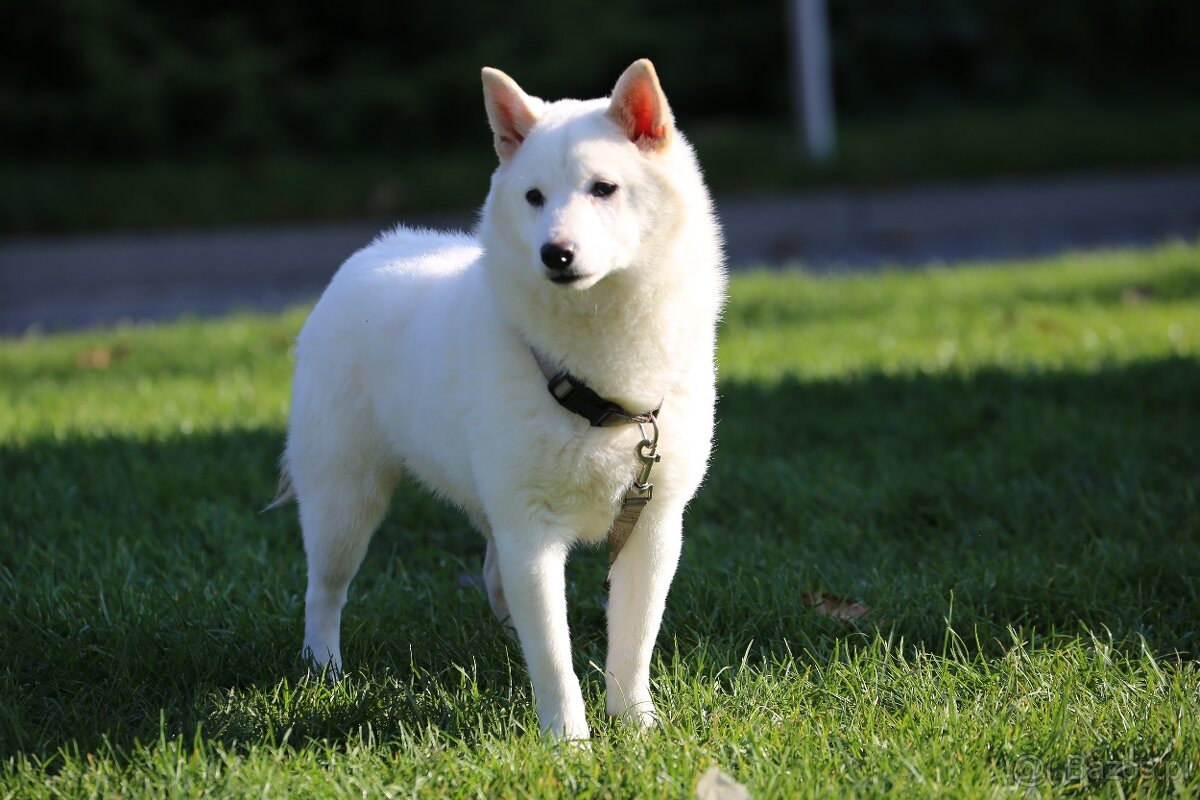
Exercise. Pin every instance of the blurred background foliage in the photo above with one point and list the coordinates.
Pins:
(95, 83)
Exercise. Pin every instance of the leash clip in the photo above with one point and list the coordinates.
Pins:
(647, 453)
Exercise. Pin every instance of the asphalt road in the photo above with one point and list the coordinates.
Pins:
(80, 281)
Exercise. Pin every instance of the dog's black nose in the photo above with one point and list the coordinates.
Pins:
(557, 256)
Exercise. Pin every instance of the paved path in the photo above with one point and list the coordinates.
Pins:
(56, 283)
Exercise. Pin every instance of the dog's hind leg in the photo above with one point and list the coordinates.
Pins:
(339, 512)
(491, 574)
(639, 580)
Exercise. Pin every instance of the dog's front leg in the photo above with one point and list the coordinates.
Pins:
(639, 581)
(532, 565)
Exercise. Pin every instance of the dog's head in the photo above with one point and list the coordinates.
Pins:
(584, 188)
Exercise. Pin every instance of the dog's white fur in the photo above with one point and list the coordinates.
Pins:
(417, 360)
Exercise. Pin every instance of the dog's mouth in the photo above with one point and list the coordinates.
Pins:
(567, 278)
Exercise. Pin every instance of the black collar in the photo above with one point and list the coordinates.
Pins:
(577, 397)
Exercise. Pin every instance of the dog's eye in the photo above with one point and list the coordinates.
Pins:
(603, 189)
(535, 198)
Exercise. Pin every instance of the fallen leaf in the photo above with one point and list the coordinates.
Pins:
(1046, 325)
(1136, 295)
(834, 607)
(96, 358)
(103, 357)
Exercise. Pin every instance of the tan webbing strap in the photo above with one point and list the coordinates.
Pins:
(627, 517)
(636, 496)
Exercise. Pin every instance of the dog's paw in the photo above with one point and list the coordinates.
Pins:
(638, 715)
(582, 746)
(328, 671)
(569, 736)
(566, 728)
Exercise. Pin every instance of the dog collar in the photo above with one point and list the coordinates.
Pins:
(577, 397)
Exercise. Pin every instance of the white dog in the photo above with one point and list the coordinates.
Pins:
(597, 263)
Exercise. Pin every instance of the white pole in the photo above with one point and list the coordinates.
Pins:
(813, 78)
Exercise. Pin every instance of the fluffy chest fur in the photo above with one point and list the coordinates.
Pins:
(448, 389)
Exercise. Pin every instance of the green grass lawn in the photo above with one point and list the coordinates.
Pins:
(1002, 463)
(738, 157)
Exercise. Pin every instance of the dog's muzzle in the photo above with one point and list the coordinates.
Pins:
(558, 259)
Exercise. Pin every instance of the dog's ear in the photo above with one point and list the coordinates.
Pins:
(510, 111)
(639, 106)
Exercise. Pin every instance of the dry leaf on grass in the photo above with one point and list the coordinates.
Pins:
(1136, 295)
(830, 605)
(96, 358)
(102, 357)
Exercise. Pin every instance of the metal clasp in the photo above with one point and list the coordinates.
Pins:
(647, 453)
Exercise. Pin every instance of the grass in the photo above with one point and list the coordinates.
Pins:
(1000, 462)
(964, 144)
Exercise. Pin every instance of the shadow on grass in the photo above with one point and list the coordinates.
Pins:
(1047, 502)
(139, 583)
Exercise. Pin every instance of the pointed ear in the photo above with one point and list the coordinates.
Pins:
(510, 111)
(639, 106)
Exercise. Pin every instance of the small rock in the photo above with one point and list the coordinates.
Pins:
(716, 785)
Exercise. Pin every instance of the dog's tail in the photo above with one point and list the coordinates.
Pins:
(285, 492)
